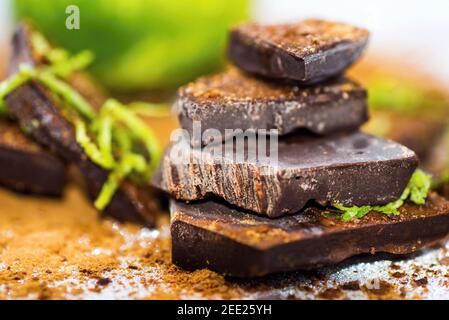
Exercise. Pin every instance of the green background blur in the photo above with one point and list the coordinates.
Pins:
(142, 44)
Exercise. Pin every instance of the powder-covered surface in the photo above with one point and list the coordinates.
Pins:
(52, 249)
(233, 86)
(305, 37)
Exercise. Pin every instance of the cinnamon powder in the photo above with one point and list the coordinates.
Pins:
(54, 250)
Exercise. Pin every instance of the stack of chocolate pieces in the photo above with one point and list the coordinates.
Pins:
(243, 214)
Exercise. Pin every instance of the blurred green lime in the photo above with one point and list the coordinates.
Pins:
(142, 44)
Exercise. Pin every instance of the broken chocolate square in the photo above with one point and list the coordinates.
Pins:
(309, 51)
(26, 167)
(233, 101)
(349, 169)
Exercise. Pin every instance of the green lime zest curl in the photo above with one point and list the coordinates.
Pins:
(62, 63)
(122, 137)
(129, 163)
(416, 191)
(107, 138)
(78, 62)
(138, 128)
(104, 138)
(91, 149)
(67, 93)
(40, 44)
(42, 47)
(12, 83)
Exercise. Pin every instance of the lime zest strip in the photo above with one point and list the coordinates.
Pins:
(67, 93)
(90, 147)
(41, 45)
(416, 191)
(138, 128)
(129, 163)
(12, 83)
(104, 139)
(122, 137)
(78, 62)
(100, 134)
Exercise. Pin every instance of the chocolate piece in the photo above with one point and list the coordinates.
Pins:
(309, 51)
(42, 116)
(234, 100)
(351, 169)
(212, 235)
(26, 167)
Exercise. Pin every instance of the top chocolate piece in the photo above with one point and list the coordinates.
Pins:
(308, 51)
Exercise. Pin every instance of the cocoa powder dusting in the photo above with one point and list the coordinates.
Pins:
(61, 249)
(305, 37)
(53, 250)
(233, 86)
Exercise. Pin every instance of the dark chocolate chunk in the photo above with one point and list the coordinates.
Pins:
(42, 116)
(350, 169)
(309, 51)
(212, 235)
(233, 100)
(26, 167)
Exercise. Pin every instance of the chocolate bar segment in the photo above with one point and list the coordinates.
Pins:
(350, 169)
(43, 117)
(309, 51)
(212, 235)
(26, 167)
(234, 100)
